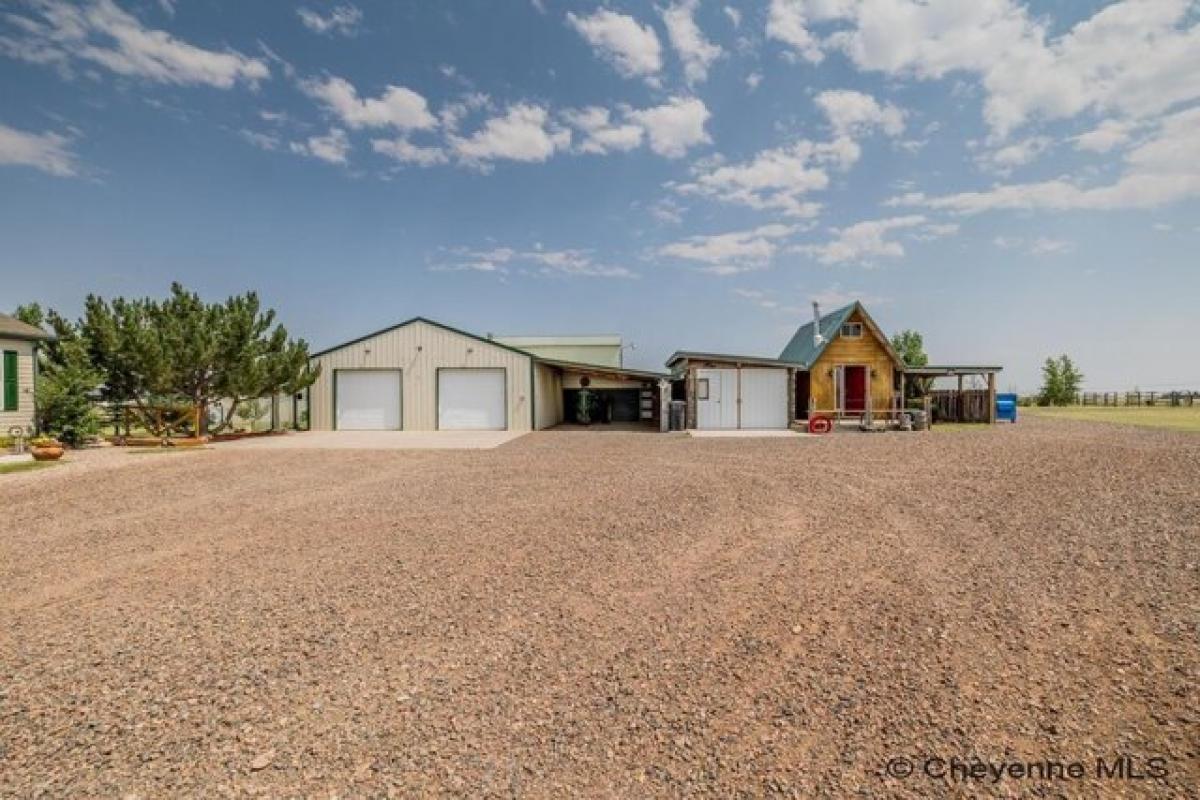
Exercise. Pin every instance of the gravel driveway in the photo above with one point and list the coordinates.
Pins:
(606, 616)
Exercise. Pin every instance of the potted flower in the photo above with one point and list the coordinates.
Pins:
(44, 448)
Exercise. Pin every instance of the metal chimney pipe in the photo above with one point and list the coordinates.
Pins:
(817, 338)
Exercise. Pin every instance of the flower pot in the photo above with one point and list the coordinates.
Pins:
(48, 453)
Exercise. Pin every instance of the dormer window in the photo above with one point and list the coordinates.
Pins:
(852, 330)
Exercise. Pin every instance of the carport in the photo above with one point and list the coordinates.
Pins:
(963, 403)
(575, 393)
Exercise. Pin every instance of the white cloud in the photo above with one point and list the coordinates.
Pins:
(696, 52)
(855, 114)
(333, 147)
(632, 49)
(787, 22)
(343, 19)
(452, 114)
(406, 152)
(600, 134)
(1164, 227)
(537, 262)
(398, 106)
(731, 253)
(1163, 169)
(734, 15)
(674, 126)
(753, 80)
(47, 151)
(863, 241)
(1017, 154)
(1138, 58)
(777, 179)
(99, 32)
(1045, 246)
(1109, 134)
(263, 141)
(523, 133)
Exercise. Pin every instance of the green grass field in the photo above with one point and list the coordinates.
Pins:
(1181, 418)
(25, 466)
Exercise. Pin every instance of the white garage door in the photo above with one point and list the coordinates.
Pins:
(764, 398)
(471, 400)
(368, 399)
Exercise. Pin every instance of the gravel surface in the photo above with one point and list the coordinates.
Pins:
(615, 615)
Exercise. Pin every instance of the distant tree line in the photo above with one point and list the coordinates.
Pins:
(178, 355)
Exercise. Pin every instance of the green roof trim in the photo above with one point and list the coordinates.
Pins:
(427, 321)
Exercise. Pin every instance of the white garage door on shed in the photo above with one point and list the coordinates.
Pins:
(764, 398)
(471, 400)
(367, 399)
(754, 398)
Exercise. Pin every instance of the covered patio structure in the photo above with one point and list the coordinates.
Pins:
(962, 403)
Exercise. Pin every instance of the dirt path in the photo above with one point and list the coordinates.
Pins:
(625, 616)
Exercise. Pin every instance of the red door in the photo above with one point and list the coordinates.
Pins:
(856, 388)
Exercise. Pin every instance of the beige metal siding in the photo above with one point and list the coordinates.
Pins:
(419, 350)
(23, 416)
(548, 394)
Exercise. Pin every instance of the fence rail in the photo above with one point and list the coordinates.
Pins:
(1137, 398)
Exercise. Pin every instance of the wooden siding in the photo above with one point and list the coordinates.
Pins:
(548, 396)
(23, 416)
(419, 350)
(866, 350)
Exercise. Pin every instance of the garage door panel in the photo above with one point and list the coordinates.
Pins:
(719, 410)
(368, 400)
(764, 398)
(472, 400)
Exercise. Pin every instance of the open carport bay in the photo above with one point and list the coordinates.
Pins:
(621, 615)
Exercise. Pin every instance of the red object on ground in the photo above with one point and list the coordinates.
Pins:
(819, 424)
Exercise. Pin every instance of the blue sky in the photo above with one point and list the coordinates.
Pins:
(1012, 180)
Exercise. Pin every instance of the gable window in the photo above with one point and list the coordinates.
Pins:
(852, 330)
(702, 389)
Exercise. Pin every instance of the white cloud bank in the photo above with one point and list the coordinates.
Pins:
(98, 32)
(48, 152)
(777, 179)
(631, 48)
(1164, 168)
(398, 107)
(342, 19)
(731, 253)
(525, 132)
(537, 262)
(864, 242)
(1135, 58)
(851, 113)
(695, 51)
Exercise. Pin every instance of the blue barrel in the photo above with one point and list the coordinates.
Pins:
(1006, 407)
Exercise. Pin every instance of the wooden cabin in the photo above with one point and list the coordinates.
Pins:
(845, 365)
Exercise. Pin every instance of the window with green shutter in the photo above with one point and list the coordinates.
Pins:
(11, 396)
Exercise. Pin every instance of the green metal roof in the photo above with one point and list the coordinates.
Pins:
(803, 350)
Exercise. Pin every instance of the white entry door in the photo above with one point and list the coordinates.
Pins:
(367, 399)
(764, 398)
(471, 400)
(716, 399)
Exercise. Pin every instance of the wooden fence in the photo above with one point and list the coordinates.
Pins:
(951, 405)
(1138, 398)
